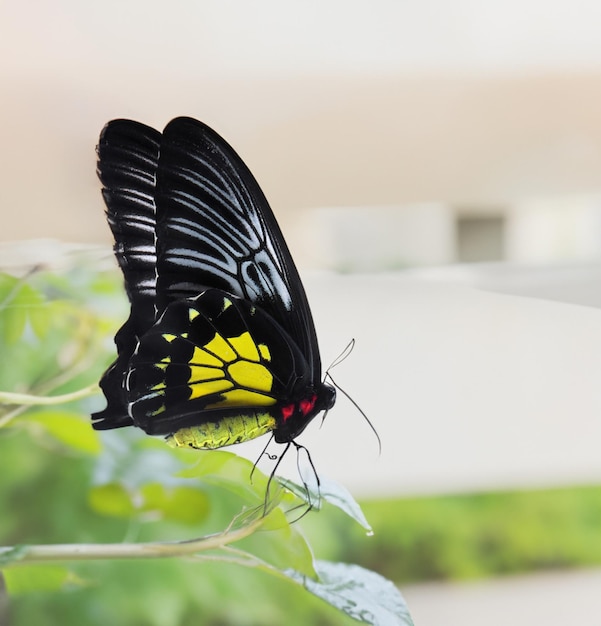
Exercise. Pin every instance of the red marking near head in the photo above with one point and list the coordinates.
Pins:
(287, 411)
(306, 406)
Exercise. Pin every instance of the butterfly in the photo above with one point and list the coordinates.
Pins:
(220, 345)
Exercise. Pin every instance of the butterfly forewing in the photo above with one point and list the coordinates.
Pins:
(216, 229)
(127, 161)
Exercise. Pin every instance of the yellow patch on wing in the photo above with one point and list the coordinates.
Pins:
(245, 347)
(253, 375)
(198, 390)
(264, 351)
(244, 397)
(220, 347)
(160, 410)
(199, 373)
(227, 303)
(202, 357)
(231, 367)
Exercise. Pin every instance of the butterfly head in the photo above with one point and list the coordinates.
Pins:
(294, 416)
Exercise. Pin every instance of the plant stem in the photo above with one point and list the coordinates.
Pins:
(149, 550)
(7, 397)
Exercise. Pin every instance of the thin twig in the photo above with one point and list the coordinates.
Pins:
(8, 397)
(148, 550)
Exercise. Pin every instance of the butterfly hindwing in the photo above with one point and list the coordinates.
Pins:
(211, 357)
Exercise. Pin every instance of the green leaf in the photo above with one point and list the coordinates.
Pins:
(7, 286)
(28, 578)
(131, 458)
(230, 471)
(341, 497)
(183, 504)
(112, 499)
(360, 593)
(17, 305)
(13, 324)
(68, 428)
(332, 492)
(280, 544)
(42, 318)
(28, 298)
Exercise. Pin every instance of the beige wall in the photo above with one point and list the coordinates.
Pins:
(478, 109)
(475, 141)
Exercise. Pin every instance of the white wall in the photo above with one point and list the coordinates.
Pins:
(554, 230)
(367, 238)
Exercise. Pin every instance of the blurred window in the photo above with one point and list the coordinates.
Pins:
(480, 238)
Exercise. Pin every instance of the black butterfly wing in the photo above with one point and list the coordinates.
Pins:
(212, 357)
(188, 216)
(215, 229)
(128, 154)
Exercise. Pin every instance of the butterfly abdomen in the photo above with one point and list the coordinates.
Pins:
(225, 432)
(287, 421)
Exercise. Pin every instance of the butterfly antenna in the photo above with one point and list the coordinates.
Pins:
(337, 361)
(342, 356)
(328, 375)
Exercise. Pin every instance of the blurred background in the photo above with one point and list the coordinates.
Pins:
(436, 169)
